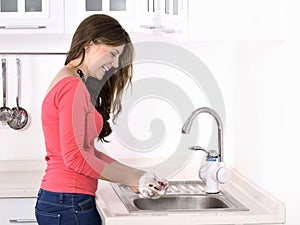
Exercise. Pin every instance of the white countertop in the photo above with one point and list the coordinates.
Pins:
(22, 179)
(19, 183)
(263, 208)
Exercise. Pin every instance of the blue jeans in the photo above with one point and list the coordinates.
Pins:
(53, 208)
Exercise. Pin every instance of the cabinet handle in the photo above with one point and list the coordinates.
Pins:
(168, 31)
(22, 27)
(158, 27)
(151, 27)
(22, 221)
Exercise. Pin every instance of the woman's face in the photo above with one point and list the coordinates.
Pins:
(100, 58)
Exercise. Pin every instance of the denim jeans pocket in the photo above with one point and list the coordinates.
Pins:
(45, 218)
(86, 204)
(88, 214)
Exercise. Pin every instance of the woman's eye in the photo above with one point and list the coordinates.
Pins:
(113, 54)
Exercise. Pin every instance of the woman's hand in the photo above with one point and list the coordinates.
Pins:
(152, 187)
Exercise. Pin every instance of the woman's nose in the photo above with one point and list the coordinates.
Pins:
(115, 62)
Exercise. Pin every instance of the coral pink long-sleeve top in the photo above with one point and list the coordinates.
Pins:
(70, 124)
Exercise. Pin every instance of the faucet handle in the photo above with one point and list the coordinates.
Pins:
(196, 148)
(210, 154)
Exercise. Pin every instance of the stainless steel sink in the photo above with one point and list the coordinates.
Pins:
(181, 203)
(182, 196)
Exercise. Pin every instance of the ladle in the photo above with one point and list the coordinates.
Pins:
(5, 112)
(20, 115)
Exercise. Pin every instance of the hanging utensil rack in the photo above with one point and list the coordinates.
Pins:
(3, 54)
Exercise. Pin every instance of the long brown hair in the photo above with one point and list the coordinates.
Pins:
(107, 93)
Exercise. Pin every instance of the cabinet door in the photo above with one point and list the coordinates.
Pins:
(213, 20)
(31, 16)
(150, 14)
(174, 19)
(165, 17)
(17, 211)
(77, 10)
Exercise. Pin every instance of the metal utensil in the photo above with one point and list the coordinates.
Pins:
(5, 112)
(20, 115)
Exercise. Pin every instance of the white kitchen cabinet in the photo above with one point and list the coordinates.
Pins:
(163, 17)
(175, 19)
(149, 14)
(167, 18)
(123, 10)
(17, 211)
(31, 16)
(186, 20)
(211, 20)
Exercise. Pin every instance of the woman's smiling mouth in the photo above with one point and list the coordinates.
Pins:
(105, 69)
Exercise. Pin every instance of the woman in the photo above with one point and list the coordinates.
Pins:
(75, 111)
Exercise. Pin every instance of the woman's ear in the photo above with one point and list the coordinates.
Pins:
(89, 44)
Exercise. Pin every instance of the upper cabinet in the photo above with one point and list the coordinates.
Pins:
(211, 20)
(164, 17)
(186, 20)
(123, 10)
(31, 16)
(175, 18)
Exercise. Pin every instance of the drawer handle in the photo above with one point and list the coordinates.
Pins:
(22, 221)
(11, 27)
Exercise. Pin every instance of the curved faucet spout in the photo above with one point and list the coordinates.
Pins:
(188, 124)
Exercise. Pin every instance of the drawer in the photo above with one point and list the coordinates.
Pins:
(17, 211)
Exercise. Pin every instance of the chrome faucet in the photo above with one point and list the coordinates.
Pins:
(188, 124)
(213, 172)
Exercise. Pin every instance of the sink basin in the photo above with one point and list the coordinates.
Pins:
(182, 196)
(181, 203)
